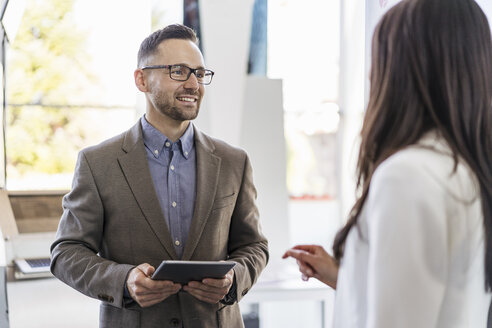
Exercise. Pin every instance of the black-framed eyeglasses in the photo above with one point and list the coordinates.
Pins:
(183, 73)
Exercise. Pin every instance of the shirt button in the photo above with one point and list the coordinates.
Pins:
(186, 153)
(156, 152)
(177, 243)
(172, 167)
(168, 144)
(174, 204)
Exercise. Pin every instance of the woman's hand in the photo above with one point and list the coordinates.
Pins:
(314, 261)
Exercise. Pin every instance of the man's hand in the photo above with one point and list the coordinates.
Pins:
(211, 290)
(144, 290)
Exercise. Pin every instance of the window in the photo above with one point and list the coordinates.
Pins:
(69, 85)
(303, 50)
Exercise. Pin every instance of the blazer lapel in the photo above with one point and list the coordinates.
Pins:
(208, 168)
(135, 167)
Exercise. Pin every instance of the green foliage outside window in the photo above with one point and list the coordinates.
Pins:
(46, 72)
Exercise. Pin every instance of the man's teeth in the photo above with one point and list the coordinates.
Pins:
(186, 99)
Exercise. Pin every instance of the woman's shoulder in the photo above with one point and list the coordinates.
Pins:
(415, 162)
(429, 164)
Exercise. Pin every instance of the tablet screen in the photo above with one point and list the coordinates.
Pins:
(184, 271)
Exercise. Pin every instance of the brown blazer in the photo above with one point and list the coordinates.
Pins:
(112, 221)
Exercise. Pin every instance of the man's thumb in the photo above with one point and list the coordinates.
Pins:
(147, 269)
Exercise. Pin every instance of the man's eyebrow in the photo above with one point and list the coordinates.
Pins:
(183, 64)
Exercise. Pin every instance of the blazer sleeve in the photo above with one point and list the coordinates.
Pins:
(247, 245)
(74, 258)
(406, 213)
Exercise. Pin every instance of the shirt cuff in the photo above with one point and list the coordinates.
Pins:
(231, 296)
(127, 299)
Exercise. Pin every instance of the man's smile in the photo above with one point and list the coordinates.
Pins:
(187, 99)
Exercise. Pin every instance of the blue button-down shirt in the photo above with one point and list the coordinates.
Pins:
(173, 170)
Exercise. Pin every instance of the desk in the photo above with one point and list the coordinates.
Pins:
(292, 303)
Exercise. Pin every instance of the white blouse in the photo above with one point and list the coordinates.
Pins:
(416, 257)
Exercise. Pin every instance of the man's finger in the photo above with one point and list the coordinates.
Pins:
(204, 296)
(147, 298)
(217, 283)
(146, 269)
(207, 288)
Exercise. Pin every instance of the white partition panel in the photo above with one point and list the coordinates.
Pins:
(226, 29)
(262, 135)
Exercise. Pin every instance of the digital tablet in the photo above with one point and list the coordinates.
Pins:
(185, 271)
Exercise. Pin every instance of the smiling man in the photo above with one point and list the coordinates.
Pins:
(163, 190)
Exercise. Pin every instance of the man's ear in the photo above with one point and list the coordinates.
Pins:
(140, 80)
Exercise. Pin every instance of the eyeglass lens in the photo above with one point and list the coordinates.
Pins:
(182, 73)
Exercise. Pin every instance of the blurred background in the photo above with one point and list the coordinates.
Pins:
(290, 86)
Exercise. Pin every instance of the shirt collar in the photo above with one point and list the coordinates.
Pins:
(187, 140)
(155, 140)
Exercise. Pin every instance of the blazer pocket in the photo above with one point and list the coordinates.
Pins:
(230, 316)
(224, 201)
(113, 317)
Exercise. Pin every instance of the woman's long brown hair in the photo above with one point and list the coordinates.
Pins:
(431, 70)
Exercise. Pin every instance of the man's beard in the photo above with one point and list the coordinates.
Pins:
(164, 106)
(178, 114)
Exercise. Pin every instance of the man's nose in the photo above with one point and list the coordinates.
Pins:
(192, 82)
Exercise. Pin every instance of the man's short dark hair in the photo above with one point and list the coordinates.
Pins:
(174, 31)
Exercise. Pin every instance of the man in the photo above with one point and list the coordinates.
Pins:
(162, 190)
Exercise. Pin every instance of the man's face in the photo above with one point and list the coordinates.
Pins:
(179, 100)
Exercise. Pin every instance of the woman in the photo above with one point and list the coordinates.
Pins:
(417, 250)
